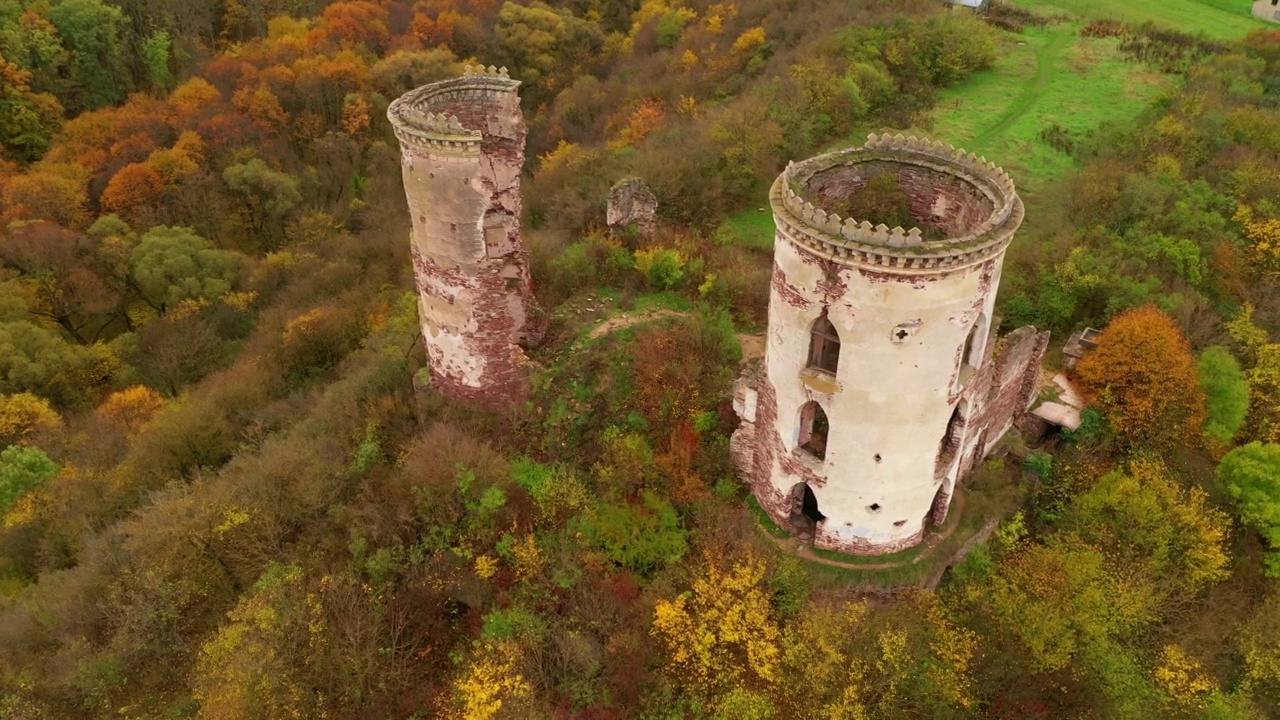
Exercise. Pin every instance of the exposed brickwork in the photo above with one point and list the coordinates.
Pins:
(462, 146)
(935, 199)
(785, 291)
(504, 377)
(827, 541)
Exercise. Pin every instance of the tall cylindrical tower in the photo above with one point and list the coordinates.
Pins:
(873, 385)
(462, 149)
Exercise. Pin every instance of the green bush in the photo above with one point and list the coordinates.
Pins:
(22, 469)
(1252, 475)
(1226, 393)
(641, 539)
(664, 268)
(514, 622)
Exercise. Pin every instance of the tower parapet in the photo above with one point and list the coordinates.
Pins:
(882, 384)
(462, 151)
(966, 199)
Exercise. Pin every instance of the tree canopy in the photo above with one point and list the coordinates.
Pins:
(1142, 376)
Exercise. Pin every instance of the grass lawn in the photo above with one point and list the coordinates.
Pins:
(751, 228)
(1219, 19)
(1044, 77)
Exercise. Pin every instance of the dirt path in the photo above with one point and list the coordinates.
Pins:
(619, 322)
(1046, 61)
(752, 347)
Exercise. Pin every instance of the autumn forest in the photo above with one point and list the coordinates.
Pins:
(229, 490)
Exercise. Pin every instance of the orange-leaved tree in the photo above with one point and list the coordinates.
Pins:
(1142, 376)
(132, 190)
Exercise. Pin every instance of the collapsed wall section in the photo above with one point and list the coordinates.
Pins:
(462, 150)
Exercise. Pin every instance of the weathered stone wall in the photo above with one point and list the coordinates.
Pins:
(936, 199)
(908, 411)
(462, 150)
(632, 204)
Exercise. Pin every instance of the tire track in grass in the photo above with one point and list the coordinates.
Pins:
(1047, 61)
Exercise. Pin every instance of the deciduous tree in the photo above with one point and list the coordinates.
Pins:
(1252, 475)
(723, 634)
(256, 664)
(1142, 376)
(92, 31)
(24, 415)
(133, 191)
(1226, 393)
(172, 264)
(266, 198)
(27, 119)
(22, 469)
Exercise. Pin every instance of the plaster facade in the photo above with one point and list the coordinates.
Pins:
(917, 389)
(1267, 10)
(462, 149)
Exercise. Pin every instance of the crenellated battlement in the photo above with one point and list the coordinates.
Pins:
(987, 190)
(427, 119)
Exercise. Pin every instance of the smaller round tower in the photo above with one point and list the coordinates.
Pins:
(880, 383)
(462, 150)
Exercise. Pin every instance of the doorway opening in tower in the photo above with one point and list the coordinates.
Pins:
(805, 515)
(824, 345)
(813, 430)
(950, 443)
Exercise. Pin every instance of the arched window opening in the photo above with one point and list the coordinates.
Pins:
(950, 442)
(824, 345)
(813, 430)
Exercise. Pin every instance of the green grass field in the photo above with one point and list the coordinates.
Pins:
(1043, 77)
(1220, 19)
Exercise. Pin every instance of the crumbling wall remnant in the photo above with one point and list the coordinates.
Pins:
(462, 149)
(632, 205)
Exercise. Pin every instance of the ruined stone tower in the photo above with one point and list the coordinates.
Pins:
(462, 148)
(881, 384)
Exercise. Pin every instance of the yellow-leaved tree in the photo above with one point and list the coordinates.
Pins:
(131, 407)
(255, 666)
(23, 415)
(490, 682)
(722, 634)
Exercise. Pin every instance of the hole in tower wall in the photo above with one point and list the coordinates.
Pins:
(974, 345)
(950, 442)
(873, 507)
(804, 506)
(904, 331)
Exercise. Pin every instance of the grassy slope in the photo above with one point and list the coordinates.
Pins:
(1044, 76)
(1221, 19)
